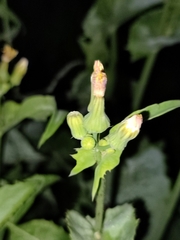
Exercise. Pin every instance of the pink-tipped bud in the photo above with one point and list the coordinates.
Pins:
(8, 53)
(98, 80)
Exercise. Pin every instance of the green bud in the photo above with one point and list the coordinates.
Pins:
(19, 71)
(96, 121)
(88, 143)
(125, 131)
(75, 123)
(103, 142)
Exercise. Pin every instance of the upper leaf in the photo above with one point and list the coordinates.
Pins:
(146, 35)
(35, 107)
(54, 123)
(156, 110)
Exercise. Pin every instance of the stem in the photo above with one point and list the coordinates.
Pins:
(166, 26)
(99, 212)
(142, 83)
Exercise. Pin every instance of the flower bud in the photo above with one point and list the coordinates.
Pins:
(8, 53)
(75, 123)
(88, 143)
(19, 71)
(98, 82)
(96, 121)
(125, 131)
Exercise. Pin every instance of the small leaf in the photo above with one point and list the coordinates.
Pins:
(44, 230)
(34, 107)
(156, 110)
(16, 199)
(54, 123)
(110, 159)
(120, 223)
(84, 159)
(80, 228)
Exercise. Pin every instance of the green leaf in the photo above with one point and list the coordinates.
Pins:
(16, 199)
(144, 177)
(146, 36)
(156, 110)
(84, 159)
(55, 122)
(44, 230)
(103, 20)
(80, 228)
(34, 107)
(120, 223)
(110, 159)
(17, 233)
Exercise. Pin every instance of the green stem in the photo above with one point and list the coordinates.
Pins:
(142, 83)
(99, 214)
(166, 26)
(161, 228)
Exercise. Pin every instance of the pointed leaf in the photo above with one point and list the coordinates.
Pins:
(79, 227)
(84, 159)
(44, 230)
(110, 159)
(120, 223)
(156, 110)
(17, 198)
(55, 122)
(35, 107)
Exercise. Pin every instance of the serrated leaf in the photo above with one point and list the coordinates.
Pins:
(34, 107)
(79, 227)
(15, 199)
(44, 230)
(157, 109)
(84, 159)
(120, 223)
(146, 37)
(17, 233)
(144, 177)
(54, 123)
(110, 159)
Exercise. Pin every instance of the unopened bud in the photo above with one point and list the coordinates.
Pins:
(75, 123)
(88, 143)
(19, 71)
(8, 53)
(125, 131)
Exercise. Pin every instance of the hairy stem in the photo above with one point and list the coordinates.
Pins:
(99, 214)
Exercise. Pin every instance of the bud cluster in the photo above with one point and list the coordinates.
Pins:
(7, 81)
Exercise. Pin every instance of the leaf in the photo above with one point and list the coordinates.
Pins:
(35, 107)
(156, 110)
(103, 20)
(84, 159)
(79, 227)
(120, 223)
(16, 199)
(17, 147)
(110, 159)
(146, 37)
(144, 177)
(55, 122)
(44, 230)
(17, 233)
